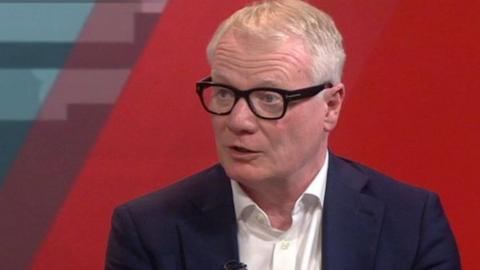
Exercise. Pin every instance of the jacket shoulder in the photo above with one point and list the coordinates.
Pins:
(383, 187)
(178, 199)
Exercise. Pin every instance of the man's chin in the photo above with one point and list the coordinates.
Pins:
(243, 171)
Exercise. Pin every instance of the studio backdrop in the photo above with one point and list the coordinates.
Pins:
(98, 106)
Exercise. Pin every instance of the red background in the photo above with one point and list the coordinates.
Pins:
(411, 111)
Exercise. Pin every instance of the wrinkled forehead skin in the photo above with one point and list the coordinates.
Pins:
(244, 46)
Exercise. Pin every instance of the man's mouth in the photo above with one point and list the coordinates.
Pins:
(241, 149)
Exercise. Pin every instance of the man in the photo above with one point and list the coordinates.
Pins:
(279, 199)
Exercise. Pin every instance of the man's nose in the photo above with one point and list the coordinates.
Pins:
(241, 118)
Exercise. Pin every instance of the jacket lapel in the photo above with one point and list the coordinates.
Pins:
(351, 220)
(209, 237)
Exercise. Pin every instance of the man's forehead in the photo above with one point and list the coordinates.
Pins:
(250, 62)
(252, 41)
(254, 50)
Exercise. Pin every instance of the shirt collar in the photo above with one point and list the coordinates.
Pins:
(316, 188)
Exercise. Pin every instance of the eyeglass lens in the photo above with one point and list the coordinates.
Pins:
(265, 103)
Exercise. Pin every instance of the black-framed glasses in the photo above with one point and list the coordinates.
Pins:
(265, 102)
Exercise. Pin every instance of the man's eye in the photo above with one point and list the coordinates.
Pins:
(269, 97)
(223, 93)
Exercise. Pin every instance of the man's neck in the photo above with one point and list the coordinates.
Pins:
(277, 198)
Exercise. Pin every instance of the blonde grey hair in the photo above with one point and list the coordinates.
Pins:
(277, 20)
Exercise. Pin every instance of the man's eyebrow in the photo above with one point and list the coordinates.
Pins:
(264, 82)
(269, 83)
(219, 77)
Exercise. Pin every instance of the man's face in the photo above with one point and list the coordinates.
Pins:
(255, 151)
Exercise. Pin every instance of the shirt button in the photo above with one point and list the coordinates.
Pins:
(285, 244)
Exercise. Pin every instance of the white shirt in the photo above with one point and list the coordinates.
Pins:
(299, 248)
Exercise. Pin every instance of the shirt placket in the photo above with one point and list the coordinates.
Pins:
(285, 250)
(284, 255)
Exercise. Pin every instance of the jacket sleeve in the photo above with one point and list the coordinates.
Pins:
(125, 249)
(437, 249)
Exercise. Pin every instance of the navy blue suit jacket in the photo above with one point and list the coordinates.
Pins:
(369, 222)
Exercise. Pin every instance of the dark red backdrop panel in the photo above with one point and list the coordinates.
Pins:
(411, 111)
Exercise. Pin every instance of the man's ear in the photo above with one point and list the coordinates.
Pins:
(333, 99)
